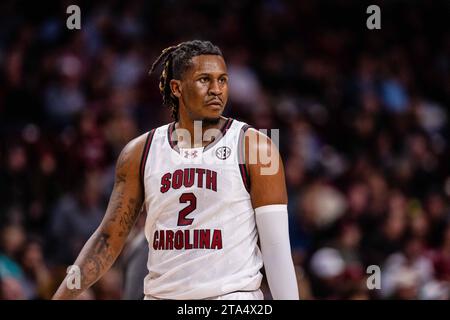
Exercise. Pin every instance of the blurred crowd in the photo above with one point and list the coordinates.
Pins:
(362, 115)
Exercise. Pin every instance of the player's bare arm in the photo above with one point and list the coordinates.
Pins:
(266, 170)
(104, 246)
(269, 199)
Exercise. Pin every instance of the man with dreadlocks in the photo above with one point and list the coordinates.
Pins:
(208, 194)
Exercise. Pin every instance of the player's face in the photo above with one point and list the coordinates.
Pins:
(204, 88)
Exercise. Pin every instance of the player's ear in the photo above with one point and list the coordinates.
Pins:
(175, 87)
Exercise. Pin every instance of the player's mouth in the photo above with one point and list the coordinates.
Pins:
(215, 104)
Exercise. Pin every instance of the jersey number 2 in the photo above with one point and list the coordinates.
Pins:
(185, 198)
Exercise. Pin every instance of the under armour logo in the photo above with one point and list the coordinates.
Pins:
(192, 154)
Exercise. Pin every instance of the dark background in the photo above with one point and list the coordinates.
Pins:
(363, 120)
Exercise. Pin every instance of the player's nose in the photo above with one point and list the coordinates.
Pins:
(215, 88)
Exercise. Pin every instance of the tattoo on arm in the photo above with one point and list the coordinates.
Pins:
(97, 260)
(122, 167)
(121, 218)
(127, 220)
(102, 243)
(123, 210)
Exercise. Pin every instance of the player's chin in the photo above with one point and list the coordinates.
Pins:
(213, 109)
(212, 114)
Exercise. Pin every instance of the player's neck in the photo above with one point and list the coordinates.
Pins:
(197, 130)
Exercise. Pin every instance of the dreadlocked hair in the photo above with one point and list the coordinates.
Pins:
(175, 61)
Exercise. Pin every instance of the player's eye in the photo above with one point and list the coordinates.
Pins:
(223, 80)
(203, 80)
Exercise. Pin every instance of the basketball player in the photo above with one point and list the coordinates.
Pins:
(208, 199)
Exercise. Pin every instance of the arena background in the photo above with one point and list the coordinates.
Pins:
(362, 114)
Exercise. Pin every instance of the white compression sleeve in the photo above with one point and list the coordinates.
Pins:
(273, 231)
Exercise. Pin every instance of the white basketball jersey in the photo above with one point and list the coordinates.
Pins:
(200, 222)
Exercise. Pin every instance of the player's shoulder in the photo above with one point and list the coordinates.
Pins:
(258, 141)
(237, 124)
(140, 142)
(134, 149)
(131, 155)
(136, 144)
(252, 134)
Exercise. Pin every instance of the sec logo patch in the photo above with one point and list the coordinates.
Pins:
(223, 153)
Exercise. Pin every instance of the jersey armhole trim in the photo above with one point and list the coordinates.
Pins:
(241, 158)
(144, 157)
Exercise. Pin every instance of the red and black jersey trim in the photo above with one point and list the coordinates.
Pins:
(145, 153)
(241, 158)
(174, 143)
